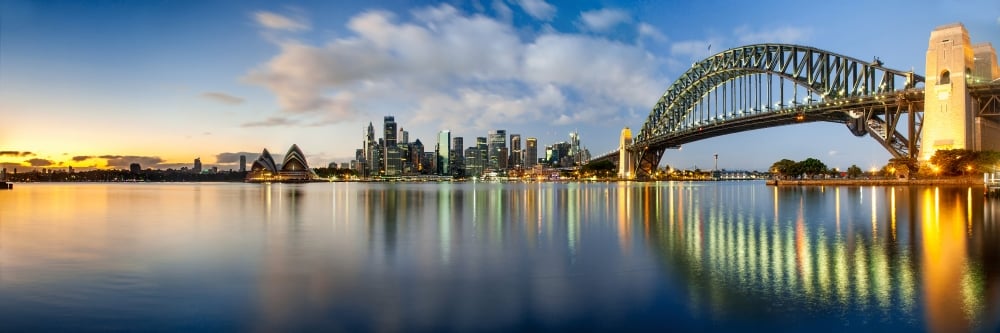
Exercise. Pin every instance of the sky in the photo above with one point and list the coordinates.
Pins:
(102, 84)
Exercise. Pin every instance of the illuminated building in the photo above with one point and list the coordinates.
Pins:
(293, 169)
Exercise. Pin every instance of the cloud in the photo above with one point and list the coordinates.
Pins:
(272, 121)
(11, 166)
(441, 56)
(16, 153)
(123, 161)
(832, 153)
(81, 158)
(539, 9)
(39, 162)
(222, 98)
(503, 11)
(602, 20)
(787, 35)
(229, 158)
(280, 22)
(693, 49)
(647, 30)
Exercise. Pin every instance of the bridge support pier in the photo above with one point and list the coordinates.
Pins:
(953, 64)
(626, 157)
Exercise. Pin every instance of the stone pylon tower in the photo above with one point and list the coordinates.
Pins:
(950, 116)
(626, 163)
(947, 113)
(985, 70)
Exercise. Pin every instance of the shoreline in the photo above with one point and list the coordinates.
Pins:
(876, 182)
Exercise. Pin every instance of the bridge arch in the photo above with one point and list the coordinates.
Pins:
(748, 87)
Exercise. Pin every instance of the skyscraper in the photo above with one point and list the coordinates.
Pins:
(389, 131)
(531, 152)
(443, 152)
(497, 150)
(416, 156)
(457, 157)
(197, 165)
(369, 163)
(390, 151)
(404, 136)
(482, 148)
(243, 163)
(516, 156)
(473, 165)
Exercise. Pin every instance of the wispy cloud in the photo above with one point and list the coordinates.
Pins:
(272, 121)
(81, 158)
(647, 30)
(693, 49)
(539, 9)
(229, 158)
(276, 21)
(602, 20)
(222, 98)
(124, 161)
(790, 35)
(39, 162)
(16, 153)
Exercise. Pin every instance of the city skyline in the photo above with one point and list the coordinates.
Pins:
(105, 84)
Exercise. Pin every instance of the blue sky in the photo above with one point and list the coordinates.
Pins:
(106, 83)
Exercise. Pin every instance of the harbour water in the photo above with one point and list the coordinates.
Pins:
(709, 256)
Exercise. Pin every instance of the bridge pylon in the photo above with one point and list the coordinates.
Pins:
(953, 65)
(626, 157)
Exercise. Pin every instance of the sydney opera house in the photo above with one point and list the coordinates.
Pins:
(293, 169)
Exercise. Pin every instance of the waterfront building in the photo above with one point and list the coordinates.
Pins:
(497, 150)
(390, 153)
(530, 152)
(516, 155)
(243, 163)
(473, 164)
(369, 146)
(483, 148)
(133, 168)
(443, 151)
(416, 157)
(197, 165)
(429, 162)
(293, 168)
(457, 157)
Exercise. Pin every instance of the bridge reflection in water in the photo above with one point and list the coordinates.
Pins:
(903, 254)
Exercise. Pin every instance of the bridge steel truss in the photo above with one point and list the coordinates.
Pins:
(759, 86)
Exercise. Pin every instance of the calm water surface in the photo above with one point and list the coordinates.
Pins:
(355, 257)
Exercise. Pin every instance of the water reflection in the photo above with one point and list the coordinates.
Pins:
(502, 257)
(804, 256)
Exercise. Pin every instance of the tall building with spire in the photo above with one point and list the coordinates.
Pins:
(369, 147)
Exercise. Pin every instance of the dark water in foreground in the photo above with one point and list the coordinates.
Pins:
(497, 257)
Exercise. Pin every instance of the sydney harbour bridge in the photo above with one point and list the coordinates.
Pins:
(956, 106)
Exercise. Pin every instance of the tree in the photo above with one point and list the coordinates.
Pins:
(783, 167)
(810, 166)
(601, 169)
(854, 171)
(956, 162)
